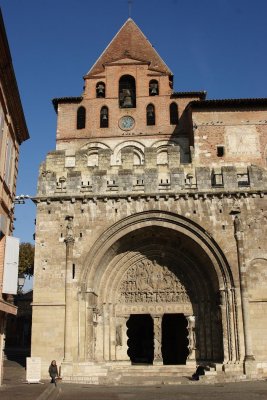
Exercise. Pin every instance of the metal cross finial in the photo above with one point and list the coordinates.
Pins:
(130, 2)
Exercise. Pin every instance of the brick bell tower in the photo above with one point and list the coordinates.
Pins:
(141, 232)
(127, 95)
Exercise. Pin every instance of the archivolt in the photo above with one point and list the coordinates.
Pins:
(104, 248)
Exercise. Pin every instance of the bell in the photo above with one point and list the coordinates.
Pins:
(127, 101)
(150, 113)
(154, 89)
(104, 117)
(100, 89)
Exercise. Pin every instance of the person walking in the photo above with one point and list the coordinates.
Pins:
(53, 371)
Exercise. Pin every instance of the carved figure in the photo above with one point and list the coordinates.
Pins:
(147, 282)
(118, 335)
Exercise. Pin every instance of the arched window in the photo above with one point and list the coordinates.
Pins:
(174, 117)
(150, 115)
(81, 117)
(127, 95)
(104, 117)
(153, 87)
(100, 90)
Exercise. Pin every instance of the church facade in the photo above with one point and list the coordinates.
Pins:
(151, 224)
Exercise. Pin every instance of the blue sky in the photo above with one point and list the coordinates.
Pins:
(213, 45)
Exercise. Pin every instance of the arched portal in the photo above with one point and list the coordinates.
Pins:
(159, 264)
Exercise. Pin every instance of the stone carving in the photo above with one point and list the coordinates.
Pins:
(149, 282)
(69, 229)
(96, 314)
(237, 224)
(46, 173)
(191, 336)
(118, 335)
(157, 338)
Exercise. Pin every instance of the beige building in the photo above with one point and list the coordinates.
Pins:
(151, 225)
(13, 131)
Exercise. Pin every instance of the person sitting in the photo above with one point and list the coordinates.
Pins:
(199, 371)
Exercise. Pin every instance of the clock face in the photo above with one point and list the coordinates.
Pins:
(126, 123)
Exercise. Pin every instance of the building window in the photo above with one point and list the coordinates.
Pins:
(127, 95)
(104, 117)
(150, 115)
(153, 88)
(174, 117)
(220, 151)
(81, 117)
(100, 90)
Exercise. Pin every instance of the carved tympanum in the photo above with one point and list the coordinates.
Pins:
(147, 281)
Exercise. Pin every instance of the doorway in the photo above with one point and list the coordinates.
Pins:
(174, 339)
(140, 339)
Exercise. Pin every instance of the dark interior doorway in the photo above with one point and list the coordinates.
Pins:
(141, 339)
(174, 339)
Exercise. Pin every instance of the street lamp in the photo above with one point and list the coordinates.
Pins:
(21, 199)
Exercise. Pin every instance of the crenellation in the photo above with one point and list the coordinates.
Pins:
(73, 181)
(104, 158)
(149, 180)
(127, 158)
(150, 157)
(173, 156)
(203, 178)
(229, 174)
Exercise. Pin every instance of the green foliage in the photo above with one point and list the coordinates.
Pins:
(26, 258)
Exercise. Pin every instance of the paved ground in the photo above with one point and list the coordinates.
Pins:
(14, 385)
(230, 391)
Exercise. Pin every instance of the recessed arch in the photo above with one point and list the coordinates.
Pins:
(94, 145)
(138, 149)
(178, 223)
(176, 246)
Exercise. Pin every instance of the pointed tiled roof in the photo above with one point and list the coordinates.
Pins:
(130, 42)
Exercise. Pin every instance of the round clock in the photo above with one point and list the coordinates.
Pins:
(126, 123)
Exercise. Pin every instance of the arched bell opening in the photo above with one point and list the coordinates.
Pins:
(158, 270)
(127, 92)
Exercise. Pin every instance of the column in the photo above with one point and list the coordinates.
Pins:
(225, 333)
(239, 236)
(157, 319)
(91, 319)
(68, 299)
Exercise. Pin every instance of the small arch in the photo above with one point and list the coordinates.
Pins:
(150, 115)
(100, 90)
(104, 117)
(138, 149)
(92, 159)
(153, 87)
(162, 157)
(94, 146)
(81, 117)
(127, 92)
(174, 115)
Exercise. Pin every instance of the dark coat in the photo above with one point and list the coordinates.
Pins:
(53, 371)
